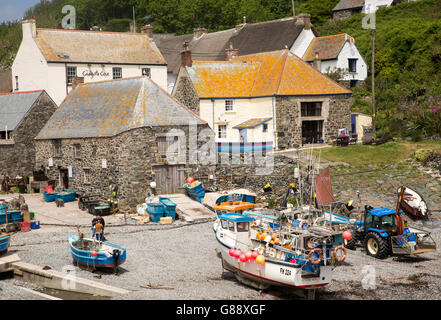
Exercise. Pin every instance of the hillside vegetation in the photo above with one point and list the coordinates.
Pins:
(408, 44)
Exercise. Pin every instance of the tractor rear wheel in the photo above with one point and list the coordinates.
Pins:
(350, 244)
(376, 246)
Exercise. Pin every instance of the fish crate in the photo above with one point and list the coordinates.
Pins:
(155, 208)
(103, 210)
(67, 196)
(155, 216)
(35, 225)
(169, 207)
(50, 197)
(195, 191)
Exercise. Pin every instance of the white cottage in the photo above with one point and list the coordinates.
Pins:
(50, 59)
(337, 52)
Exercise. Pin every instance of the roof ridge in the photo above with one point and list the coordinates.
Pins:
(18, 92)
(282, 69)
(91, 31)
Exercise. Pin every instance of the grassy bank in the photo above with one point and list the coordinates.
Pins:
(362, 155)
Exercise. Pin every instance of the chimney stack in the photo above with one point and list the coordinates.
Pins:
(186, 60)
(231, 52)
(29, 28)
(199, 32)
(306, 19)
(317, 62)
(148, 29)
(76, 81)
(244, 22)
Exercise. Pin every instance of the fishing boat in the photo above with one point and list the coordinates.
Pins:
(413, 204)
(289, 257)
(232, 207)
(92, 255)
(4, 242)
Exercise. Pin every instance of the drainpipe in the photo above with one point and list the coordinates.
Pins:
(212, 125)
(274, 124)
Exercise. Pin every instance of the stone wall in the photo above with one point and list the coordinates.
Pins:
(186, 94)
(235, 176)
(336, 114)
(19, 158)
(343, 14)
(129, 157)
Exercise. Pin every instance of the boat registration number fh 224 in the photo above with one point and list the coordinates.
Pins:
(284, 271)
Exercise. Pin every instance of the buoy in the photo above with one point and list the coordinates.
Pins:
(273, 236)
(254, 255)
(243, 258)
(190, 180)
(237, 253)
(258, 235)
(231, 252)
(248, 254)
(94, 253)
(276, 241)
(347, 235)
(267, 239)
(260, 259)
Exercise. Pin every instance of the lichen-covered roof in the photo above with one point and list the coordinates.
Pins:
(257, 75)
(327, 47)
(251, 123)
(97, 47)
(14, 107)
(348, 4)
(108, 108)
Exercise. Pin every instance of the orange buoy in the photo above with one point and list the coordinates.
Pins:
(276, 241)
(260, 259)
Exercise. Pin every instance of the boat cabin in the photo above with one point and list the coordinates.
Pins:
(234, 230)
(233, 207)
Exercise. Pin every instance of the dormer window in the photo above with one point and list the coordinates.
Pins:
(146, 72)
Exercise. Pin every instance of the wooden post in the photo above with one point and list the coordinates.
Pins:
(293, 9)
(373, 82)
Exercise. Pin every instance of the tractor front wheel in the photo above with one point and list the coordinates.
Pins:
(376, 246)
(350, 244)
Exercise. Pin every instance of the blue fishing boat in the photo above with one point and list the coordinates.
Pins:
(93, 255)
(4, 242)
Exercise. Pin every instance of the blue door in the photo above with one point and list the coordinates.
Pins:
(353, 123)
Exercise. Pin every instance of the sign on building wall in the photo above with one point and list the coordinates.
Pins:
(70, 171)
(51, 162)
(104, 163)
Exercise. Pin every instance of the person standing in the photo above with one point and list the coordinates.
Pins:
(94, 221)
(99, 228)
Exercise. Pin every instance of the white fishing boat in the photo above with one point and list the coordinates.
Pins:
(301, 257)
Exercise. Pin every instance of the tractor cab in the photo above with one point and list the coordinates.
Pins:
(380, 219)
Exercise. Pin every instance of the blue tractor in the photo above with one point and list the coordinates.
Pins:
(383, 232)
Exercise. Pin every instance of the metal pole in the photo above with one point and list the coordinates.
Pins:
(373, 81)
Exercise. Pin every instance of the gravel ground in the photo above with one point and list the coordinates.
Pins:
(185, 259)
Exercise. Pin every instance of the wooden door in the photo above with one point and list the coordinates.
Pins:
(170, 178)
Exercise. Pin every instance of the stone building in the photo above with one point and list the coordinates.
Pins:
(129, 132)
(50, 59)
(346, 8)
(22, 116)
(271, 100)
(5, 81)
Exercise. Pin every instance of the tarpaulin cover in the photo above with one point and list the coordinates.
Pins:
(323, 187)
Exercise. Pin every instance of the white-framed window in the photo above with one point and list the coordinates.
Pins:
(77, 150)
(71, 72)
(222, 131)
(146, 72)
(352, 65)
(117, 72)
(229, 105)
(86, 175)
(57, 147)
(265, 127)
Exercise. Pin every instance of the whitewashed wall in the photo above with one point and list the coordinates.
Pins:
(302, 42)
(244, 109)
(370, 6)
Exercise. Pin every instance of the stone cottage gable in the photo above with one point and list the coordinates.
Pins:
(108, 108)
(25, 114)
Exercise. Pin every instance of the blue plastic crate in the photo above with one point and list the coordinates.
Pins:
(50, 197)
(155, 216)
(66, 196)
(35, 224)
(155, 208)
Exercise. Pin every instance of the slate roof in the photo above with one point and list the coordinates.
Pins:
(249, 38)
(107, 108)
(251, 123)
(348, 4)
(327, 47)
(14, 107)
(97, 47)
(263, 74)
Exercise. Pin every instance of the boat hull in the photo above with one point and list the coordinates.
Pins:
(273, 272)
(4, 243)
(84, 258)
